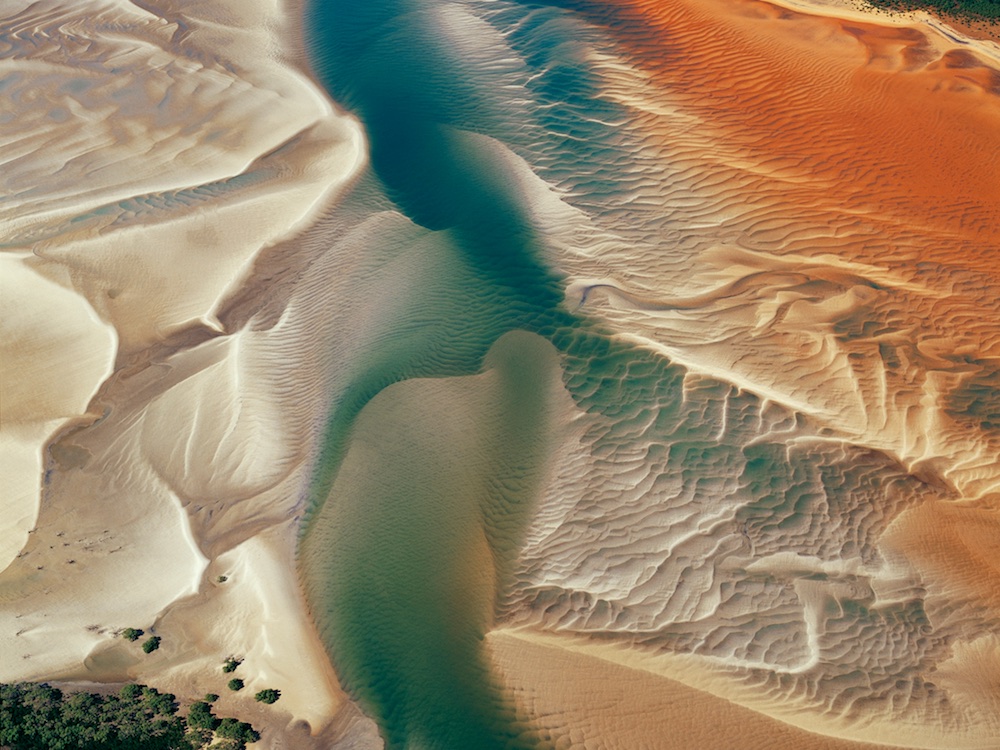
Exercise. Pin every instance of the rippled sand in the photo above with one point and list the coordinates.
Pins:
(610, 375)
(151, 153)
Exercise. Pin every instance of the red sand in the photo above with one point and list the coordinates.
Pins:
(887, 124)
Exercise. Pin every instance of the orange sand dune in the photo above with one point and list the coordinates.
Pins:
(890, 124)
(863, 155)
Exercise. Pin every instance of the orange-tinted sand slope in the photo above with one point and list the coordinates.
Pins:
(816, 221)
(848, 174)
(890, 124)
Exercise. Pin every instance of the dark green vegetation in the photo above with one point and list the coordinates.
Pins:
(238, 732)
(37, 716)
(211, 697)
(236, 684)
(267, 696)
(987, 10)
(132, 634)
(200, 716)
(151, 644)
(231, 664)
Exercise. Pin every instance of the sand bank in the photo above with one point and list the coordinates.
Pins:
(585, 695)
(152, 153)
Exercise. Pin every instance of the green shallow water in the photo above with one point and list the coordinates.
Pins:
(403, 561)
(432, 454)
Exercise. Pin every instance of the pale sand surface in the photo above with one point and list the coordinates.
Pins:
(55, 353)
(150, 153)
(593, 696)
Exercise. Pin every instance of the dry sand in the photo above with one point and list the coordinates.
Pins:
(589, 696)
(151, 152)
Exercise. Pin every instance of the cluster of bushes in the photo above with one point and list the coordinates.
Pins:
(988, 10)
(270, 695)
(149, 645)
(37, 716)
(230, 664)
(201, 720)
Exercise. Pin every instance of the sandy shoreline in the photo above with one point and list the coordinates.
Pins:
(982, 37)
(570, 685)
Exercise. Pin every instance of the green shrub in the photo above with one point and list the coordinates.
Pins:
(231, 664)
(151, 644)
(236, 684)
(211, 697)
(267, 696)
(130, 692)
(132, 634)
(160, 703)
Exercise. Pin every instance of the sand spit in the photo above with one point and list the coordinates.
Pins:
(151, 151)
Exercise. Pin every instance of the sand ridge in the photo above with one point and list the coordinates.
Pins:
(152, 151)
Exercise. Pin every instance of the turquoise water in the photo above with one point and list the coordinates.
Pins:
(417, 515)
(405, 559)
(432, 456)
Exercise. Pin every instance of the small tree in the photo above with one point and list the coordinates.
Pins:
(236, 684)
(151, 644)
(270, 695)
(132, 634)
(211, 697)
(160, 703)
(231, 664)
